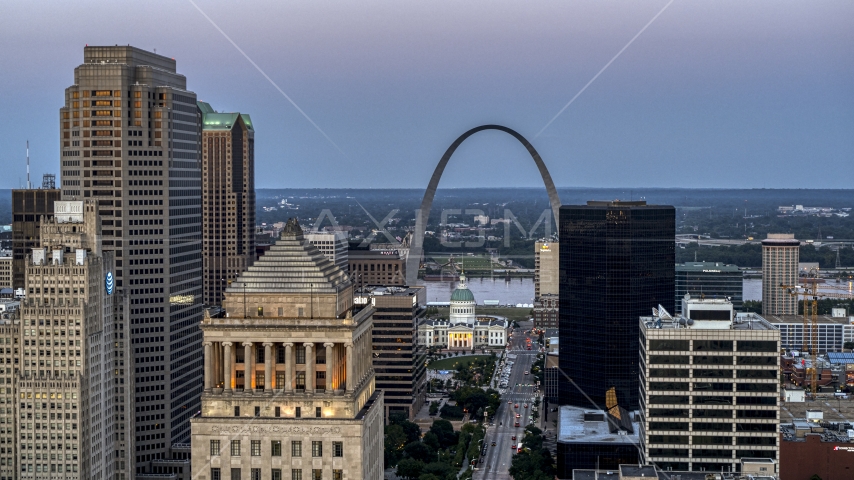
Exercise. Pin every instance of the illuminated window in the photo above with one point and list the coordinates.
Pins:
(296, 448)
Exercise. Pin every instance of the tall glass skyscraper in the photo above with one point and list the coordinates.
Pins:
(616, 263)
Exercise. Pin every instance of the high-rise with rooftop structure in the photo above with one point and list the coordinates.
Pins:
(130, 135)
(710, 383)
(780, 254)
(616, 259)
(71, 359)
(710, 280)
(289, 386)
(228, 198)
(29, 207)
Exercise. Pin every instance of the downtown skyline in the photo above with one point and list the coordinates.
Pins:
(757, 90)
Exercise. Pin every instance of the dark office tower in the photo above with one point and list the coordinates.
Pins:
(135, 130)
(228, 198)
(29, 206)
(616, 263)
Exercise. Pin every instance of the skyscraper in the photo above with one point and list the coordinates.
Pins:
(546, 256)
(709, 280)
(616, 262)
(135, 130)
(780, 254)
(72, 359)
(29, 208)
(228, 198)
(289, 386)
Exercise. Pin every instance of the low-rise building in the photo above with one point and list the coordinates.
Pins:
(591, 439)
(833, 331)
(816, 447)
(709, 387)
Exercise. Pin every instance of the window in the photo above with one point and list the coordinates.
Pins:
(276, 448)
(255, 446)
(236, 411)
(300, 379)
(316, 449)
(296, 449)
(235, 474)
(216, 474)
(337, 449)
(317, 474)
(276, 474)
(713, 345)
(278, 411)
(317, 412)
(296, 474)
(300, 352)
(668, 345)
(257, 411)
(214, 447)
(255, 474)
(298, 412)
(757, 346)
(337, 474)
(235, 448)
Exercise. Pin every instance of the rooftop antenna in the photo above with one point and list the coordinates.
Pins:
(29, 186)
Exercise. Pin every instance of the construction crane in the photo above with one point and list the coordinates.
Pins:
(808, 289)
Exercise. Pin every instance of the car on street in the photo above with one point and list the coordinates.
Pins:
(513, 438)
(509, 402)
(526, 372)
(526, 405)
(517, 415)
(517, 423)
(493, 444)
(516, 406)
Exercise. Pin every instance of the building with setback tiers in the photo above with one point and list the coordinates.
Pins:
(616, 259)
(71, 391)
(228, 198)
(134, 130)
(289, 387)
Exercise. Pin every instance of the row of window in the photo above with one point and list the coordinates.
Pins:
(276, 448)
(275, 474)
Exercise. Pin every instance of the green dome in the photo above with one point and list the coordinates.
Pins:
(462, 295)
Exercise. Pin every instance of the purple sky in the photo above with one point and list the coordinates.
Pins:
(712, 94)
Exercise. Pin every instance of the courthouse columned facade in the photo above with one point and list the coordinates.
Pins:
(289, 388)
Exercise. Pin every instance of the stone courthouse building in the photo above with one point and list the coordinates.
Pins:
(289, 389)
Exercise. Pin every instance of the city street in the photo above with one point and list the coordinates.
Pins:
(496, 463)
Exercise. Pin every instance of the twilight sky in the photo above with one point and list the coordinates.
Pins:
(712, 94)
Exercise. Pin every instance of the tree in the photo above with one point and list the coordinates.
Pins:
(395, 440)
(445, 433)
(431, 440)
(428, 476)
(440, 469)
(420, 451)
(409, 468)
(412, 430)
(434, 408)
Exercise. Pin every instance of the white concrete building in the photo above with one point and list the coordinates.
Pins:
(333, 245)
(464, 330)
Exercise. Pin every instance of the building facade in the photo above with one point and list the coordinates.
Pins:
(6, 272)
(376, 267)
(780, 254)
(709, 388)
(71, 395)
(546, 268)
(398, 357)
(710, 280)
(130, 135)
(464, 330)
(29, 208)
(228, 198)
(289, 388)
(546, 311)
(616, 259)
(832, 332)
(332, 244)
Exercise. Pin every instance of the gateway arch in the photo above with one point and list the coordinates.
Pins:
(417, 247)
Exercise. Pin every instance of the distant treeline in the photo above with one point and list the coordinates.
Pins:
(750, 255)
